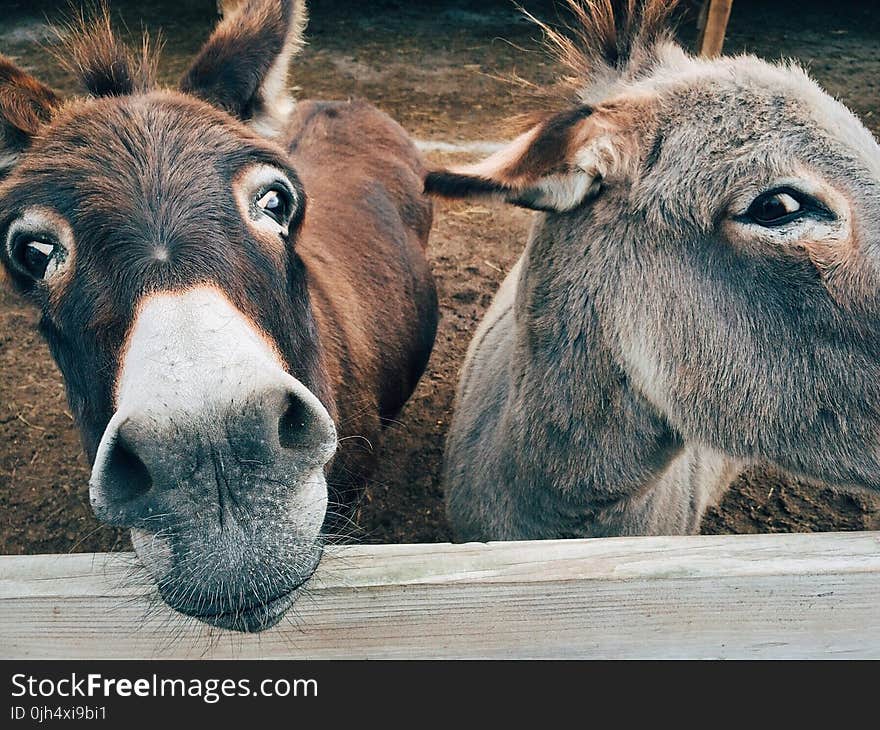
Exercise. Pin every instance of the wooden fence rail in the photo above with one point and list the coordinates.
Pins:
(801, 595)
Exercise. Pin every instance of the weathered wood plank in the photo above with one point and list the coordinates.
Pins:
(706, 596)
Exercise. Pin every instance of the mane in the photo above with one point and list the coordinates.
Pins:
(105, 66)
(606, 41)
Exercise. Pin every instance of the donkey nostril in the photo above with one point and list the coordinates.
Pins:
(126, 473)
(296, 424)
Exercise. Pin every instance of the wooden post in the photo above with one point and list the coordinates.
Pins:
(713, 26)
(747, 596)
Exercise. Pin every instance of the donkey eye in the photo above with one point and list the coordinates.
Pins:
(776, 208)
(276, 204)
(40, 259)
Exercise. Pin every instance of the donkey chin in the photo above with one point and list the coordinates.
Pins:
(243, 575)
(215, 459)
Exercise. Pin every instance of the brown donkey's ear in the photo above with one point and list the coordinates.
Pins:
(25, 105)
(243, 66)
(555, 166)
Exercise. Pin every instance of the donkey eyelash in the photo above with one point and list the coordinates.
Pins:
(278, 185)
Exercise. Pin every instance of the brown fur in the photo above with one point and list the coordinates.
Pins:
(154, 197)
(25, 105)
(551, 147)
(262, 37)
(365, 328)
(103, 65)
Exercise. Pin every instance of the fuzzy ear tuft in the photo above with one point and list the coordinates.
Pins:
(25, 106)
(105, 66)
(243, 66)
(607, 41)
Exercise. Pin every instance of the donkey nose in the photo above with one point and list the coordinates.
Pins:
(148, 454)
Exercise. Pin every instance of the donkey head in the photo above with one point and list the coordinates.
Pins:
(157, 231)
(715, 226)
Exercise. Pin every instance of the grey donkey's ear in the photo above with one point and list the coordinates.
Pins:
(25, 105)
(243, 66)
(555, 166)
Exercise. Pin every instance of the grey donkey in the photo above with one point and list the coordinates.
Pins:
(701, 290)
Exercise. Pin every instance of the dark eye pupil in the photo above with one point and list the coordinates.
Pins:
(36, 260)
(776, 208)
(771, 209)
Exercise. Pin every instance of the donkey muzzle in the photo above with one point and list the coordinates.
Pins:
(215, 459)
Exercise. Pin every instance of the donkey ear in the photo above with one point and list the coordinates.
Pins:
(555, 166)
(25, 105)
(243, 66)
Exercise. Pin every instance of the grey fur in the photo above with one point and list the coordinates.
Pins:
(648, 344)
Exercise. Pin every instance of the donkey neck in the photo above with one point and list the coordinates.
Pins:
(581, 428)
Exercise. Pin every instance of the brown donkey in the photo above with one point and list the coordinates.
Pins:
(226, 280)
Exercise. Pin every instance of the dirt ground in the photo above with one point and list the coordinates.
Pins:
(438, 68)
